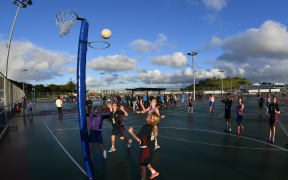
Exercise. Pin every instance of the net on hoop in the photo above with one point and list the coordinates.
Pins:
(64, 20)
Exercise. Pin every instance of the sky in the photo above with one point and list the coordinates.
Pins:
(149, 43)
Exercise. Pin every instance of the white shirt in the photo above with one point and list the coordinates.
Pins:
(59, 103)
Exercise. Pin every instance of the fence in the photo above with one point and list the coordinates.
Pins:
(3, 123)
(10, 96)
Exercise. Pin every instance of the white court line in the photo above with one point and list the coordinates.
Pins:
(282, 125)
(216, 132)
(218, 145)
(67, 153)
(61, 120)
(77, 128)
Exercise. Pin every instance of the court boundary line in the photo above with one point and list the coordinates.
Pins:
(282, 125)
(218, 145)
(217, 132)
(63, 148)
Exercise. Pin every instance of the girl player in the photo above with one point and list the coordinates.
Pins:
(95, 125)
(146, 138)
(273, 112)
(117, 125)
(268, 102)
(151, 109)
(211, 103)
(228, 103)
(240, 112)
(190, 105)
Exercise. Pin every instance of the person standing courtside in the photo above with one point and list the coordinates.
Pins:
(59, 106)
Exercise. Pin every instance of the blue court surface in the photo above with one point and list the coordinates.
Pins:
(193, 146)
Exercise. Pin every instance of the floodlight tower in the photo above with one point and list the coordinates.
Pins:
(20, 4)
(221, 76)
(24, 70)
(193, 69)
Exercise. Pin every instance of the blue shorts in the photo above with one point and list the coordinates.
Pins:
(211, 104)
(268, 104)
(239, 119)
(95, 137)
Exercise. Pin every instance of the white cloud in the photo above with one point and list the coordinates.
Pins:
(176, 60)
(93, 83)
(145, 46)
(258, 54)
(185, 76)
(111, 78)
(42, 64)
(128, 78)
(270, 40)
(216, 5)
(140, 70)
(69, 70)
(112, 63)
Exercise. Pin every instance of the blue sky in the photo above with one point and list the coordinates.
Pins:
(150, 40)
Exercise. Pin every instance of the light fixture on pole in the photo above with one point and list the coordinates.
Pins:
(193, 69)
(20, 4)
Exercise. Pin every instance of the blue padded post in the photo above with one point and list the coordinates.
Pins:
(81, 95)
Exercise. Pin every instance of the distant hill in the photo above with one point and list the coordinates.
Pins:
(215, 84)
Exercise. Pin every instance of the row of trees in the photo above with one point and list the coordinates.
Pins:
(216, 84)
(70, 86)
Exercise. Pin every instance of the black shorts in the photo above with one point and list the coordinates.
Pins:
(227, 114)
(146, 155)
(95, 137)
(190, 105)
(118, 130)
(272, 122)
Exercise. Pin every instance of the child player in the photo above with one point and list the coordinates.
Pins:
(116, 116)
(228, 103)
(268, 102)
(190, 105)
(146, 138)
(151, 109)
(95, 125)
(240, 112)
(211, 103)
(273, 111)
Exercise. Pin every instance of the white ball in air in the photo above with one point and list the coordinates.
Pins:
(106, 33)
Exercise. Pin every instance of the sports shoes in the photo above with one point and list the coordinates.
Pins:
(157, 147)
(268, 141)
(229, 130)
(155, 174)
(272, 141)
(104, 154)
(111, 150)
(129, 143)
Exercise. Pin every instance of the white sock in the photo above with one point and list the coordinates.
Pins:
(153, 171)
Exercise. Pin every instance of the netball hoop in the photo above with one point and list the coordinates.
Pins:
(65, 20)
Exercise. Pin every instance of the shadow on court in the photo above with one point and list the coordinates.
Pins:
(193, 146)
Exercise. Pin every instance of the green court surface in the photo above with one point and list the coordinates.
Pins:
(193, 146)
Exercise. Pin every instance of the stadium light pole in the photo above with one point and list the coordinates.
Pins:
(20, 4)
(221, 71)
(193, 69)
(24, 70)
